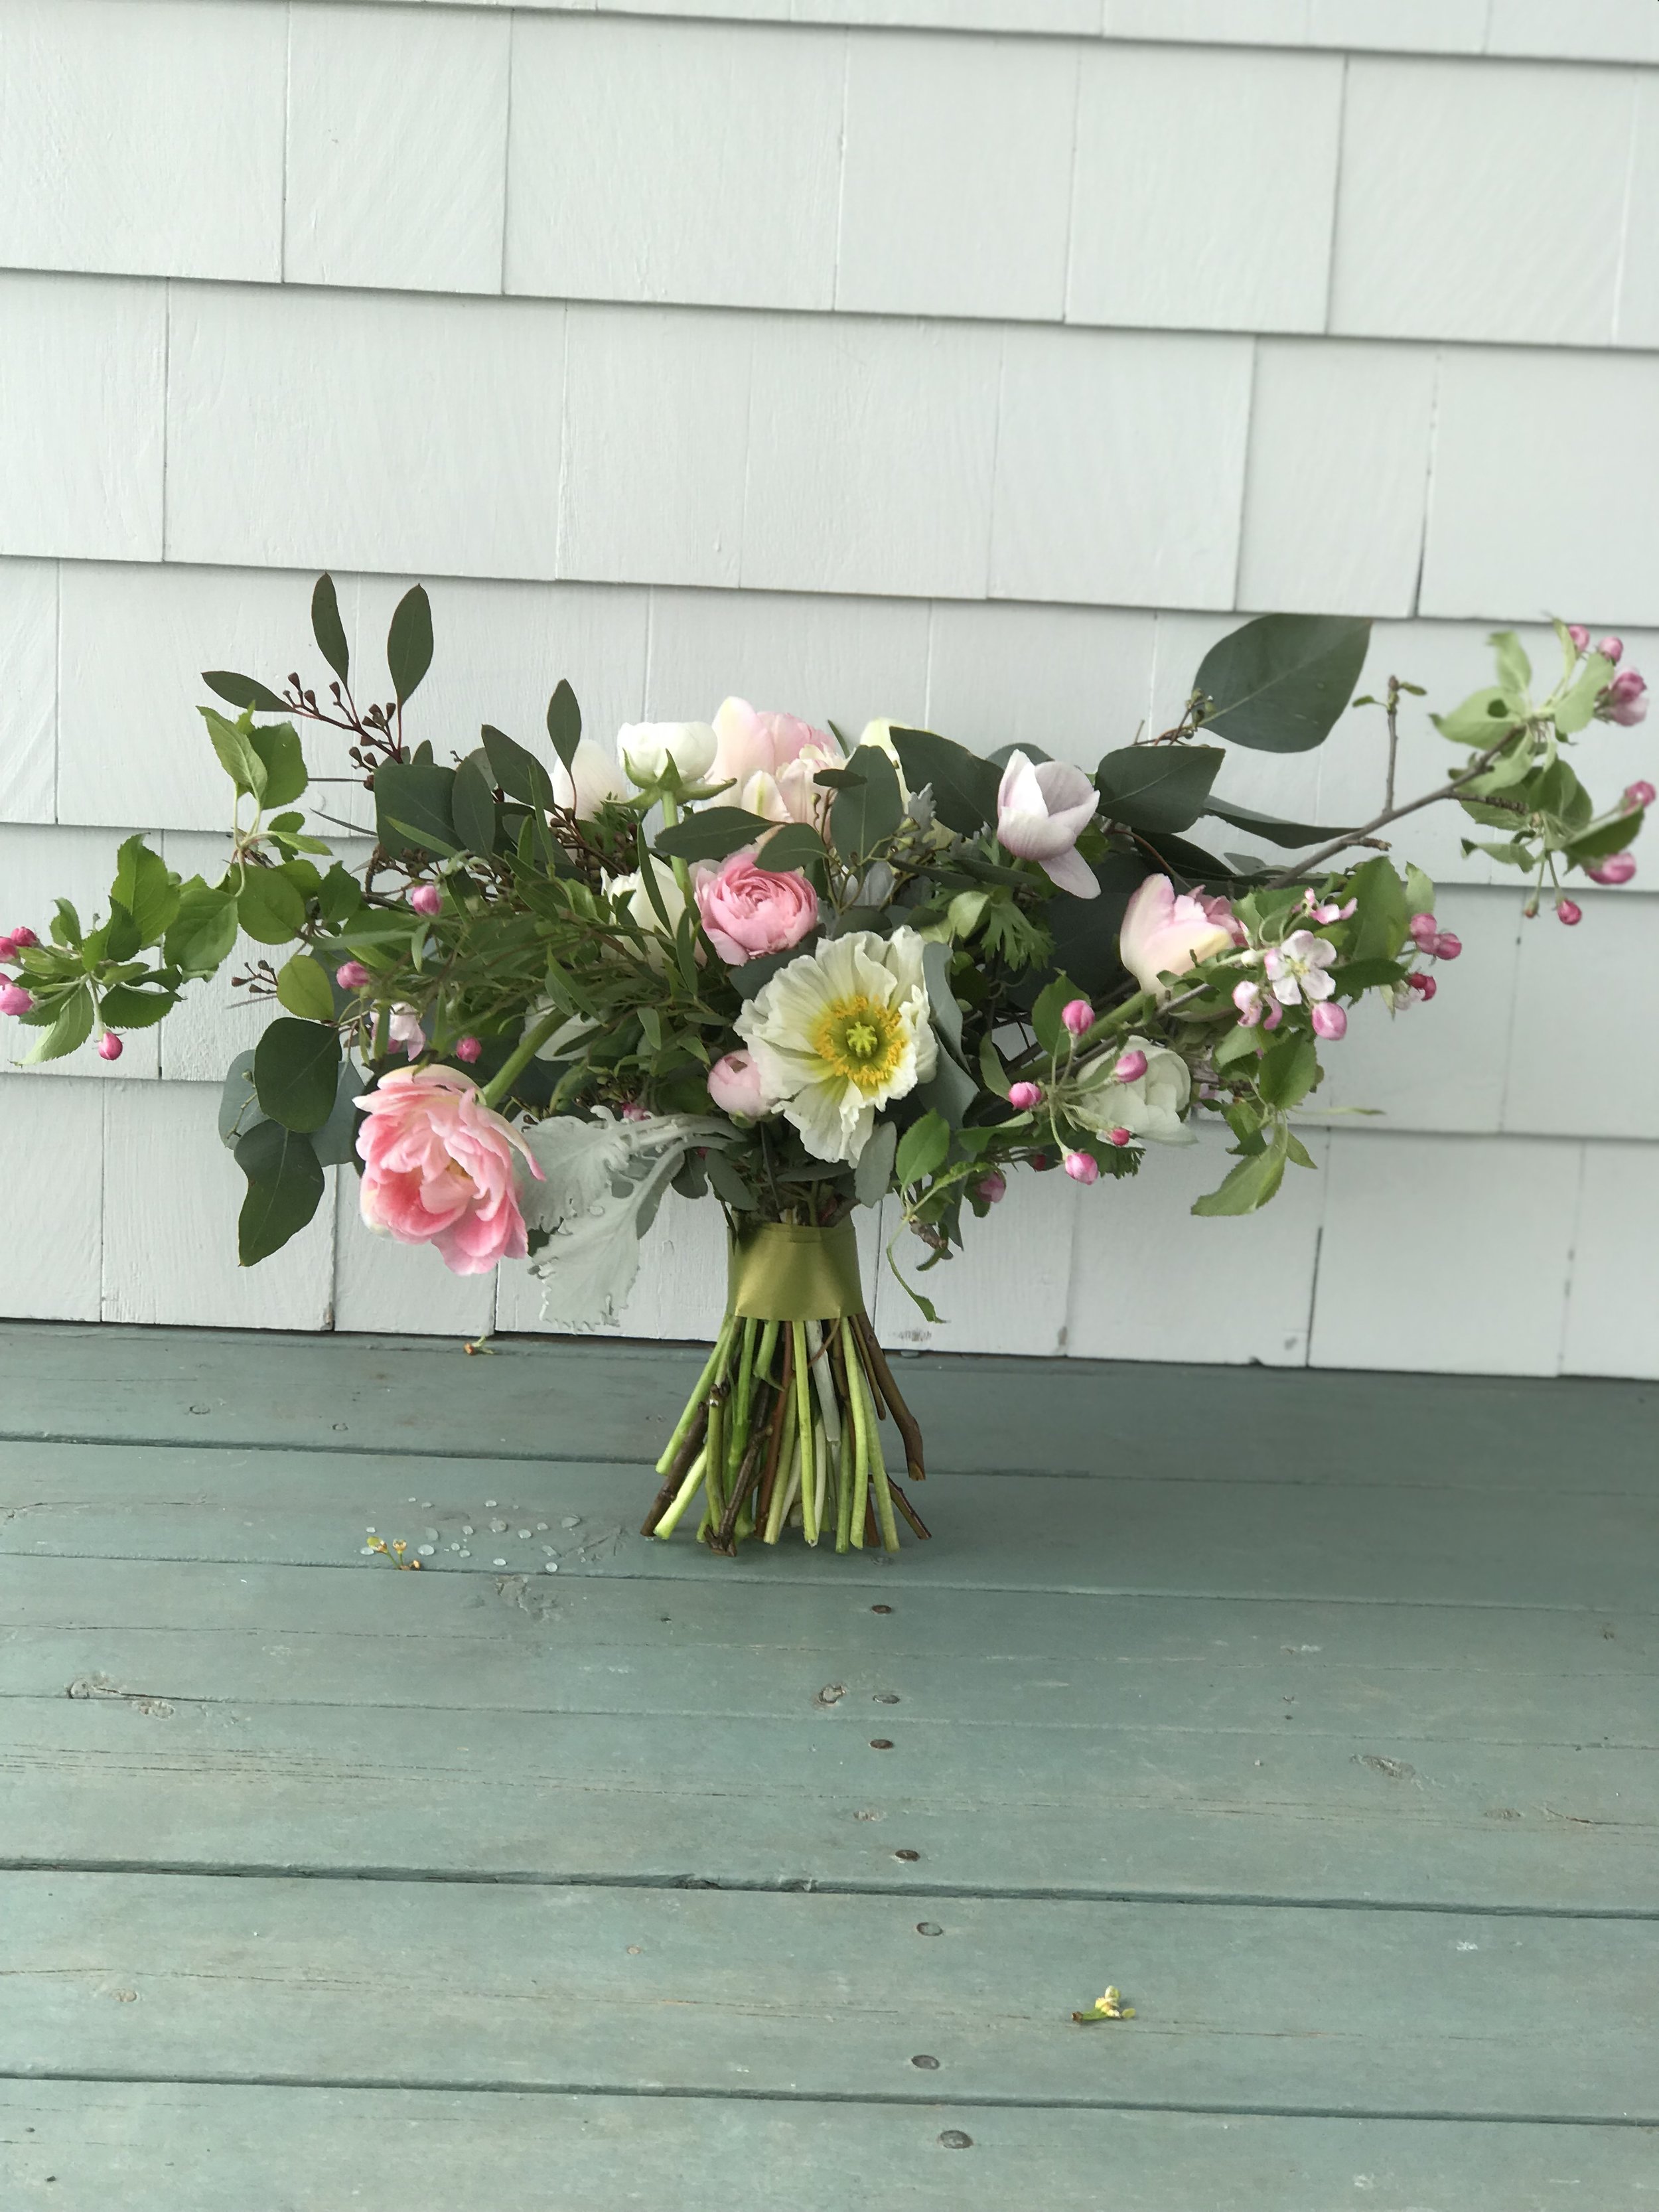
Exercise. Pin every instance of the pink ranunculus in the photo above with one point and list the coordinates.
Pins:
(1163, 934)
(748, 909)
(439, 1169)
(735, 1086)
(1042, 808)
(772, 761)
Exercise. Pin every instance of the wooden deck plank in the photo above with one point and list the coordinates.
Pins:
(450, 1985)
(144, 2147)
(594, 1399)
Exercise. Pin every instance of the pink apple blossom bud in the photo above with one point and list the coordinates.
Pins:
(15, 999)
(993, 1188)
(1529, 912)
(737, 1086)
(1022, 1097)
(1613, 649)
(1274, 1015)
(468, 1048)
(1120, 1137)
(1448, 945)
(1078, 1015)
(1329, 1020)
(1569, 911)
(427, 898)
(1579, 636)
(1625, 700)
(23, 936)
(1617, 868)
(1082, 1167)
(109, 1046)
(1131, 1067)
(1247, 997)
(1041, 1163)
(1423, 929)
(10, 949)
(1638, 795)
(633, 1111)
(1424, 986)
(351, 975)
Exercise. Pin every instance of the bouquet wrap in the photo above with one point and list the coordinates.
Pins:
(779, 1271)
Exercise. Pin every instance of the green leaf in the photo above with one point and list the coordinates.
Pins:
(949, 1091)
(1271, 827)
(861, 819)
(124, 1007)
(340, 897)
(1514, 669)
(564, 722)
(1481, 720)
(239, 1104)
(1515, 855)
(303, 986)
(243, 691)
(472, 805)
(1158, 786)
(1045, 1014)
(336, 1143)
(874, 1171)
(1252, 1183)
(269, 905)
(146, 887)
(327, 628)
(1290, 1069)
(992, 1072)
(1614, 836)
(964, 787)
(922, 1148)
(1237, 1043)
(797, 845)
(409, 643)
(277, 746)
(296, 1073)
(711, 834)
(412, 807)
(1279, 683)
(941, 998)
(1574, 709)
(1379, 923)
(1420, 890)
(202, 935)
(1354, 976)
(518, 773)
(285, 1183)
(70, 1027)
(233, 743)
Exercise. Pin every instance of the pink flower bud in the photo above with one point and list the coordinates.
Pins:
(1131, 1067)
(351, 975)
(1041, 1163)
(1424, 986)
(993, 1188)
(1617, 868)
(1022, 1097)
(1613, 649)
(10, 950)
(1247, 997)
(1120, 1137)
(1082, 1167)
(1423, 929)
(1579, 636)
(1078, 1015)
(109, 1046)
(1448, 945)
(1274, 1015)
(1625, 700)
(633, 1111)
(427, 898)
(468, 1048)
(15, 999)
(23, 936)
(1638, 795)
(1329, 1020)
(1569, 911)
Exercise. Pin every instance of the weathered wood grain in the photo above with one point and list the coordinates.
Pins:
(444, 1986)
(84, 2147)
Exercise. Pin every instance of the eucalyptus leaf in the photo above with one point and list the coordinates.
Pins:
(327, 628)
(713, 833)
(303, 986)
(296, 1073)
(409, 643)
(965, 785)
(285, 1183)
(239, 1102)
(472, 805)
(862, 819)
(243, 691)
(941, 998)
(412, 806)
(1158, 786)
(949, 1092)
(874, 1171)
(564, 722)
(336, 1143)
(1272, 828)
(1280, 683)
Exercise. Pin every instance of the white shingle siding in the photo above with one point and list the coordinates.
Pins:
(976, 361)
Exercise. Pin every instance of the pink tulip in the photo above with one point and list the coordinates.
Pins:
(1579, 636)
(1625, 700)
(1330, 1020)
(1082, 1167)
(1078, 1015)
(1130, 1068)
(1569, 911)
(15, 999)
(439, 1169)
(427, 898)
(1022, 1097)
(748, 909)
(1163, 933)
(1120, 1138)
(1042, 808)
(1613, 649)
(735, 1086)
(1617, 868)
(993, 1188)
(352, 975)
(1422, 929)
(1220, 911)
(468, 1048)
(772, 761)
(1638, 795)
(1447, 946)
(23, 936)
(109, 1046)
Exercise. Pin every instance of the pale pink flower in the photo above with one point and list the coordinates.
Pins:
(1042, 808)
(1221, 912)
(427, 899)
(747, 909)
(404, 1030)
(735, 1086)
(1163, 933)
(439, 1169)
(1247, 997)
(1326, 910)
(1625, 700)
(1579, 636)
(772, 761)
(1330, 1020)
(1296, 969)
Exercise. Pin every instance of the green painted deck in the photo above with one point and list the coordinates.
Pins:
(1316, 1711)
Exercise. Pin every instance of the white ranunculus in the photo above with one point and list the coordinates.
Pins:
(839, 1032)
(592, 778)
(1151, 1107)
(648, 750)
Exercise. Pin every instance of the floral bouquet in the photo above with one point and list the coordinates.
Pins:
(754, 961)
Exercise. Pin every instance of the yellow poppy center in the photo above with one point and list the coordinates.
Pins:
(863, 1040)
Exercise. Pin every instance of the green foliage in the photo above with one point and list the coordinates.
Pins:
(1280, 683)
(564, 722)
(412, 807)
(1252, 1183)
(242, 691)
(147, 890)
(1272, 827)
(1378, 928)
(711, 834)
(303, 986)
(922, 1148)
(1483, 718)
(296, 1072)
(409, 643)
(278, 747)
(327, 628)
(1158, 786)
(864, 816)
(202, 935)
(285, 1182)
(270, 906)
(472, 805)
(965, 785)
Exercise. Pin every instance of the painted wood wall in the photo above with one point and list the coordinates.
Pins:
(973, 362)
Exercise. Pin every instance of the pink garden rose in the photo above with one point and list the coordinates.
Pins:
(439, 1169)
(747, 909)
(1042, 808)
(1163, 933)
(735, 1086)
(772, 760)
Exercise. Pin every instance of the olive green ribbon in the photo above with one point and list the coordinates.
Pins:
(778, 1272)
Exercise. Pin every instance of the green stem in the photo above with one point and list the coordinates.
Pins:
(516, 1062)
(687, 1491)
(804, 1431)
(849, 1503)
(694, 1403)
(879, 1483)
